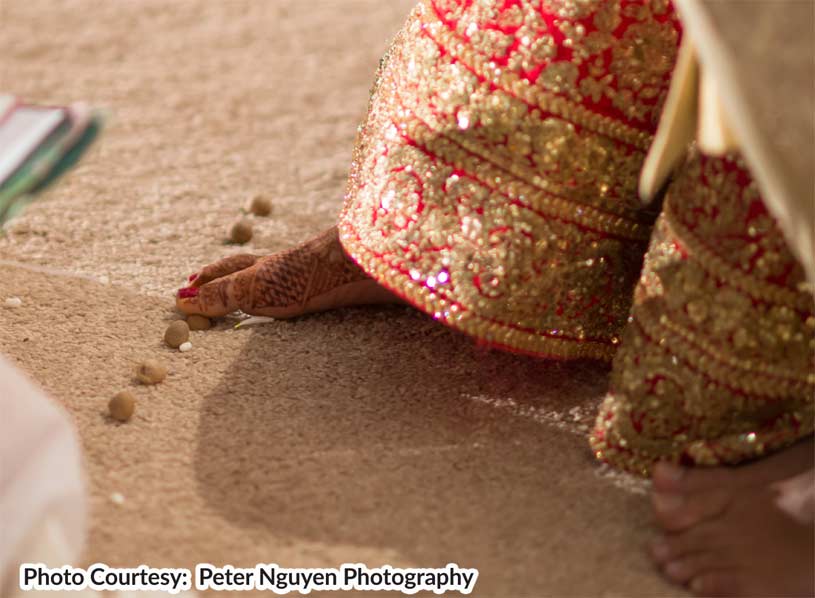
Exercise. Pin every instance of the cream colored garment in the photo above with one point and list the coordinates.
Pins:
(706, 103)
(704, 106)
(796, 496)
(42, 495)
(693, 113)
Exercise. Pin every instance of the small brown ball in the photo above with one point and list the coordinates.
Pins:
(151, 371)
(122, 406)
(241, 232)
(177, 334)
(196, 322)
(259, 206)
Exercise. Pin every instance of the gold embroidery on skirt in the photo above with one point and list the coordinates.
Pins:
(487, 191)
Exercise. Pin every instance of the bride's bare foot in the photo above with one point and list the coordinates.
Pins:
(724, 533)
(314, 276)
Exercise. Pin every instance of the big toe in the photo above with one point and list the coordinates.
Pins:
(219, 297)
(676, 511)
(672, 546)
(668, 477)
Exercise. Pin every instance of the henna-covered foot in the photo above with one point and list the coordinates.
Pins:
(314, 276)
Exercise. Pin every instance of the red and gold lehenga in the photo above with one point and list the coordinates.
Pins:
(716, 364)
(494, 186)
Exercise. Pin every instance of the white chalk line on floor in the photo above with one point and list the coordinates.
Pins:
(53, 271)
(98, 279)
(571, 422)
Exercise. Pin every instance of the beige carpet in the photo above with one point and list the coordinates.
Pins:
(369, 435)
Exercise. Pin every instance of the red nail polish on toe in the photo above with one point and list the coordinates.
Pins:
(187, 293)
(193, 277)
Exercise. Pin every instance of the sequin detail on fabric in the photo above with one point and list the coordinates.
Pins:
(494, 182)
(718, 363)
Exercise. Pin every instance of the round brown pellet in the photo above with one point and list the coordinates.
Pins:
(241, 232)
(151, 371)
(177, 334)
(122, 406)
(260, 206)
(197, 322)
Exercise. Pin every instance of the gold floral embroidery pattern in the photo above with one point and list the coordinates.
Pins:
(490, 191)
(558, 48)
(718, 365)
(545, 97)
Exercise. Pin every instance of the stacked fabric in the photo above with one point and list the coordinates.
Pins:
(37, 145)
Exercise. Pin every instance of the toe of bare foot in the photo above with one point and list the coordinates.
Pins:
(682, 497)
(689, 567)
(668, 547)
(784, 464)
(717, 583)
(751, 547)
(224, 267)
(695, 558)
(668, 477)
(675, 511)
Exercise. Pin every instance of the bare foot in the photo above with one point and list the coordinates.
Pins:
(724, 533)
(683, 497)
(314, 276)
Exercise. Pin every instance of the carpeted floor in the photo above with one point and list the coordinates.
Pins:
(369, 435)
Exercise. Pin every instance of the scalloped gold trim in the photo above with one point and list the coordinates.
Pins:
(451, 313)
(533, 198)
(731, 449)
(719, 268)
(740, 374)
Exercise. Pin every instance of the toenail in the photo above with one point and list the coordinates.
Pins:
(668, 502)
(187, 293)
(193, 277)
(670, 471)
(673, 569)
(660, 549)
